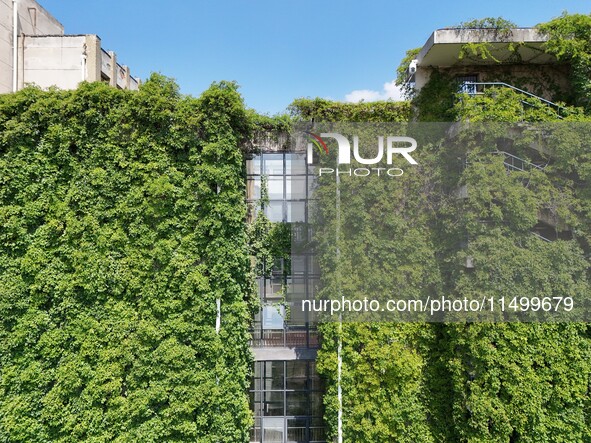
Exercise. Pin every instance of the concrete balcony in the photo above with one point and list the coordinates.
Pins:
(116, 74)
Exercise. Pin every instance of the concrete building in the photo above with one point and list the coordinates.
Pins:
(43, 55)
(512, 56)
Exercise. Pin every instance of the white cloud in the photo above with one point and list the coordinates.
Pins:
(390, 91)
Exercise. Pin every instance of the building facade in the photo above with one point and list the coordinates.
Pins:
(513, 56)
(286, 391)
(35, 50)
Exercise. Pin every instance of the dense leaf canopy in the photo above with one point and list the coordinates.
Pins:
(121, 222)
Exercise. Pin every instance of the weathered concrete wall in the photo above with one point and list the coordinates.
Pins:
(5, 45)
(117, 75)
(550, 81)
(93, 58)
(48, 58)
(33, 19)
(50, 61)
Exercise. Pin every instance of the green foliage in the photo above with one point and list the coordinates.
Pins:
(268, 241)
(264, 123)
(498, 23)
(467, 382)
(321, 109)
(383, 384)
(384, 396)
(506, 105)
(570, 41)
(121, 222)
(517, 382)
(436, 100)
(501, 28)
(470, 382)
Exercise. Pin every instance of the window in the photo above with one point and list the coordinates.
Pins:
(286, 396)
(289, 186)
(466, 85)
(287, 399)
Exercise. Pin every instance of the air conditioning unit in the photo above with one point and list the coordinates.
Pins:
(412, 68)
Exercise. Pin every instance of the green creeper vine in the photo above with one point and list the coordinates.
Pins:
(570, 41)
(121, 222)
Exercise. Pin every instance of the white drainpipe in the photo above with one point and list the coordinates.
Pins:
(218, 318)
(14, 45)
(340, 333)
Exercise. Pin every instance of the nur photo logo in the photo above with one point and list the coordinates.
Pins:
(387, 146)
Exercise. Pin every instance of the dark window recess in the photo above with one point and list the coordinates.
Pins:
(465, 84)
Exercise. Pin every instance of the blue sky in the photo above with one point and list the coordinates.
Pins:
(278, 50)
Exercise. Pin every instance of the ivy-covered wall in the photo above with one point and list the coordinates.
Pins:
(472, 382)
(122, 220)
(465, 382)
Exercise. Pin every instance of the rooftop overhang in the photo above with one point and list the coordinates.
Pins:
(444, 47)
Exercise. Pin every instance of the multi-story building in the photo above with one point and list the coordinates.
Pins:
(35, 50)
(286, 391)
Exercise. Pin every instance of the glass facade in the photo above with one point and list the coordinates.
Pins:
(285, 395)
(289, 183)
(287, 401)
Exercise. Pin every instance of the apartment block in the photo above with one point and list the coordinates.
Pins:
(44, 56)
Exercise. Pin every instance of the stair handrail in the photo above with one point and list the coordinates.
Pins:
(507, 85)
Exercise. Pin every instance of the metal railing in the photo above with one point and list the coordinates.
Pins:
(264, 338)
(541, 237)
(514, 163)
(477, 88)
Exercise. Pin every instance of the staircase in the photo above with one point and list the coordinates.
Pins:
(478, 88)
(514, 163)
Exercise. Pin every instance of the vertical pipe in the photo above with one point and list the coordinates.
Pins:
(218, 301)
(339, 388)
(14, 45)
(218, 319)
(340, 332)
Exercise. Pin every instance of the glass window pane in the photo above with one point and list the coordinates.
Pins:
(298, 264)
(296, 289)
(295, 188)
(273, 164)
(273, 404)
(297, 403)
(314, 266)
(296, 211)
(297, 375)
(295, 163)
(255, 434)
(274, 211)
(273, 317)
(312, 183)
(317, 433)
(273, 375)
(257, 383)
(253, 188)
(273, 430)
(273, 289)
(275, 185)
(297, 429)
(316, 407)
(253, 166)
